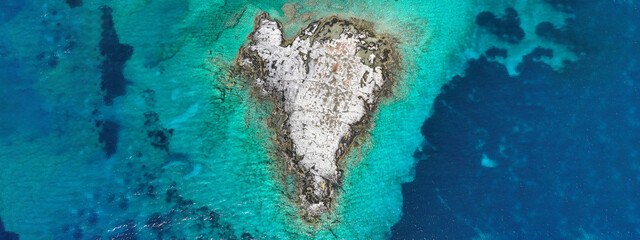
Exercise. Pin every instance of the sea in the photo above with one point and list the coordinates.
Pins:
(509, 119)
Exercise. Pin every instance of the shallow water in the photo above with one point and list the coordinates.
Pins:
(510, 120)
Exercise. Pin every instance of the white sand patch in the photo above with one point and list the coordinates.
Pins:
(488, 162)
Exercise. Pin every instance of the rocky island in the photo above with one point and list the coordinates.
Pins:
(326, 83)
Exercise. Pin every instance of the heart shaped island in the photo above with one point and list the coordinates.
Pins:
(326, 83)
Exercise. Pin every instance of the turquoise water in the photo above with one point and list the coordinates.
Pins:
(122, 119)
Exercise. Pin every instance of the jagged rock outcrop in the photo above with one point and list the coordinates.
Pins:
(326, 82)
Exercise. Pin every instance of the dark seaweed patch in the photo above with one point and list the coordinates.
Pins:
(496, 52)
(53, 61)
(246, 236)
(111, 198)
(128, 231)
(160, 138)
(93, 218)
(4, 235)
(204, 221)
(74, 3)
(547, 30)
(108, 135)
(69, 46)
(151, 192)
(115, 56)
(50, 59)
(77, 233)
(174, 197)
(159, 223)
(158, 135)
(569, 36)
(506, 28)
(124, 203)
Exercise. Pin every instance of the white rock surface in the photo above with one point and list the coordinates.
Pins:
(323, 102)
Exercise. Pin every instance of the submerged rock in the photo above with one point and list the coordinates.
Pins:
(115, 56)
(326, 82)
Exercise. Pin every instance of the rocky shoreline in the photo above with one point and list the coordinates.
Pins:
(326, 83)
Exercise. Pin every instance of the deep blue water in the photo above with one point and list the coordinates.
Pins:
(566, 142)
